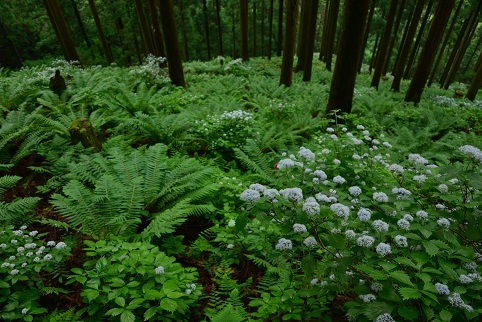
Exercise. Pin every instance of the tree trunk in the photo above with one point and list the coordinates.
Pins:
(220, 31)
(206, 28)
(383, 49)
(254, 29)
(416, 45)
(279, 48)
(243, 18)
(374, 54)
(81, 24)
(417, 14)
(156, 29)
(173, 52)
(403, 41)
(439, 23)
(476, 82)
(310, 46)
(344, 75)
(9, 56)
(183, 30)
(366, 33)
(263, 11)
(303, 35)
(144, 27)
(394, 37)
(331, 32)
(324, 31)
(103, 40)
(473, 22)
(61, 30)
(469, 61)
(286, 77)
(444, 44)
(233, 29)
(270, 28)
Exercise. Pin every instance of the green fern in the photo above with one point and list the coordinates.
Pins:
(256, 161)
(15, 211)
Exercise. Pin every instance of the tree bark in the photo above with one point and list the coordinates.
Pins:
(254, 29)
(279, 48)
(351, 40)
(220, 31)
(476, 82)
(416, 45)
(206, 28)
(156, 29)
(331, 32)
(81, 24)
(383, 49)
(366, 33)
(243, 18)
(439, 23)
(173, 52)
(394, 37)
(417, 14)
(303, 35)
(310, 46)
(100, 30)
(263, 11)
(286, 77)
(183, 30)
(270, 39)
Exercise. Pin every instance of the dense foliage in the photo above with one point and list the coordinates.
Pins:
(234, 199)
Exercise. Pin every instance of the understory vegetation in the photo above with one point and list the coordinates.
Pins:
(235, 199)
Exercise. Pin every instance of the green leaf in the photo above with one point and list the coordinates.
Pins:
(127, 316)
(4, 284)
(409, 313)
(241, 222)
(150, 313)
(90, 294)
(175, 295)
(308, 264)
(169, 286)
(409, 293)
(375, 274)
(445, 315)
(152, 295)
(115, 312)
(402, 277)
(77, 270)
(120, 301)
(337, 241)
(387, 266)
(407, 262)
(134, 304)
(168, 305)
(430, 247)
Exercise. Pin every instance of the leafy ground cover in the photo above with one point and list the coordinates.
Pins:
(234, 199)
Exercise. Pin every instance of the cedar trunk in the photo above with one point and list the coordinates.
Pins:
(437, 28)
(310, 46)
(289, 44)
(220, 31)
(270, 28)
(206, 28)
(331, 32)
(476, 82)
(280, 28)
(351, 40)
(243, 18)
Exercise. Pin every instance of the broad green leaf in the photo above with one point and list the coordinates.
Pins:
(387, 266)
(135, 303)
(168, 305)
(424, 277)
(308, 264)
(90, 294)
(115, 312)
(407, 262)
(175, 295)
(375, 274)
(4, 284)
(120, 301)
(150, 313)
(409, 313)
(169, 286)
(77, 270)
(445, 315)
(127, 316)
(152, 295)
(401, 277)
(409, 293)
(430, 247)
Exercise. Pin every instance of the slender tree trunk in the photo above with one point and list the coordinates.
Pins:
(270, 28)
(444, 44)
(382, 51)
(331, 33)
(437, 28)
(344, 75)
(324, 32)
(374, 54)
(173, 52)
(263, 9)
(144, 27)
(61, 30)
(402, 42)
(286, 77)
(243, 18)
(303, 35)
(183, 30)
(280, 28)
(103, 40)
(206, 28)
(469, 61)
(12, 58)
(81, 24)
(473, 22)
(394, 37)
(310, 46)
(476, 82)
(416, 45)
(220, 30)
(366, 33)
(233, 29)
(156, 29)
(254, 29)
(397, 77)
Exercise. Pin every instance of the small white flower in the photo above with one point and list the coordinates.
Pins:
(422, 214)
(376, 287)
(188, 291)
(340, 210)
(364, 214)
(292, 194)
(231, 223)
(33, 233)
(365, 241)
(3, 245)
(385, 317)
(248, 195)
(383, 249)
(310, 241)
(336, 162)
(159, 270)
(464, 279)
(320, 174)
(258, 187)
(14, 241)
(284, 244)
(350, 234)
(380, 197)
(23, 227)
(355, 191)
(311, 207)
(47, 257)
(420, 178)
(314, 281)
(442, 289)
(61, 245)
(403, 224)
(36, 259)
(51, 243)
(339, 180)
(401, 241)
(444, 222)
(17, 232)
(14, 271)
(380, 225)
(368, 297)
(299, 228)
(24, 311)
(443, 188)
(24, 265)
(12, 258)
(306, 153)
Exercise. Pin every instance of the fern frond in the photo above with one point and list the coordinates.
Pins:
(256, 161)
(7, 182)
(165, 222)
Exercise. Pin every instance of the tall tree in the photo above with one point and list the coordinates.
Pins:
(144, 27)
(303, 34)
(476, 82)
(61, 29)
(286, 77)
(398, 73)
(183, 29)
(330, 24)
(279, 48)
(437, 28)
(270, 32)
(351, 40)
(81, 23)
(383, 49)
(243, 18)
(263, 12)
(173, 52)
(394, 37)
(100, 30)
(220, 29)
(156, 29)
(310, 45)
(206, 28)
(366, 33)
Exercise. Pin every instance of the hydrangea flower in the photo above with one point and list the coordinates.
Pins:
(292, 194)
(285, 163)
(472, 152)
(306, 153)
(311, 207)
(340, 210)
(159, 270)
(248, 195)
(444, 223)
(401, 193)
(380, 197)
(350, 234)
(376, 287)
(422, 214)
(364, 214)
(258, 187)
(310, 241)
(420, 178)
(271, 194)
(403, 224)
(383, 249)
(314, 281)
(320, 174)
(284, 244)
(401, 241)
(442, 289)
(365, 241)
(443, 188)
(367, 297)
(61, 245)
(50, 243)
(355, 191)
(385, 317)
(417, 159)
(299, 228)
(380, 225)
(339, 180)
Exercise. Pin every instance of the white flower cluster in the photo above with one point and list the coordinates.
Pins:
(422, 214)
(383, 249)
(306, 154)
(420, 178)
(417, 159)
(444, 223)
(292, 194)
(442, 288)
(365, 241)
(340, 210)
(456, 301)
(310, 241)
(380, 197)
(250, 195)
(367, 297)
(355, 191)
(380, 225)
(385, 317)
(396, 168)
(299, 228)
(339, 180)
(284, 244)
(320, 174)
(402, 193)
(443, 188)
(311, 206)
(472, 152)
(159, 270)
(364, 214)
(403, 224)
(190, 288)
(376, 287)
